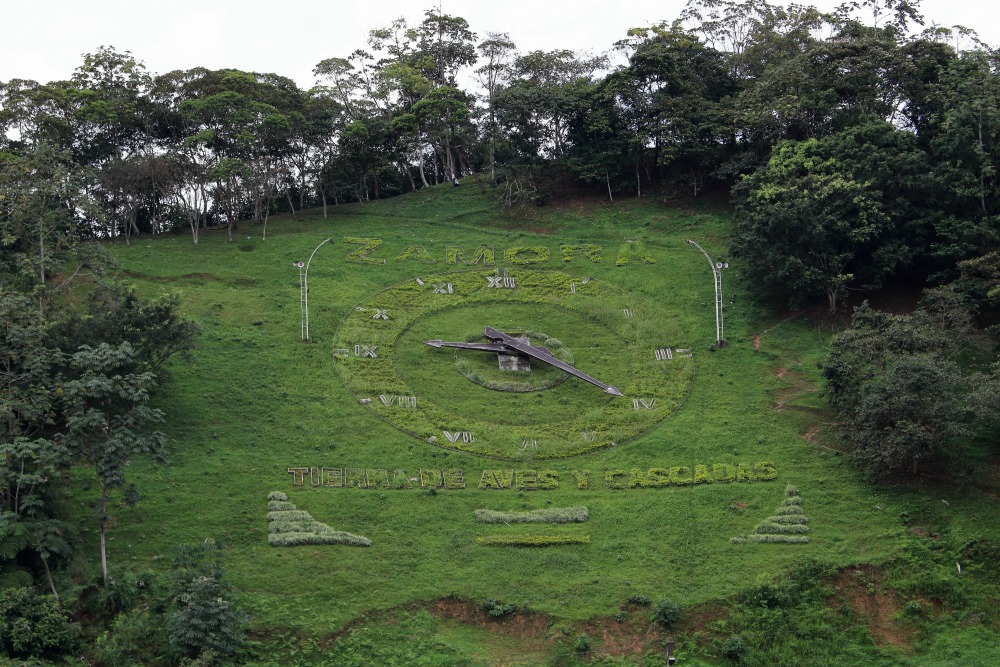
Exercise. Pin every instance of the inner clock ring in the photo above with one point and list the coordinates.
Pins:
(391, 352)
(513, 373)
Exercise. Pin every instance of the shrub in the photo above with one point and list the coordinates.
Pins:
(583, 643)
(33, 625)
(767, 528)
(130, 640)
(547, 515)
(777, 539)
(498, 609)
(666, 613)
(292, 539)
(531, 540)
(120, 593)
(640, 600)
(734, 648)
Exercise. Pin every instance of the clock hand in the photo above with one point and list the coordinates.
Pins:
(486, 347)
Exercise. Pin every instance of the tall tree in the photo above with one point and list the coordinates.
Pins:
(42, 193)
(108, 422)
(498, 51)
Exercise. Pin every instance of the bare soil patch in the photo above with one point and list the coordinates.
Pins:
(874, 603)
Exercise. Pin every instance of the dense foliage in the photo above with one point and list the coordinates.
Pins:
(862, 144)
(905, 389)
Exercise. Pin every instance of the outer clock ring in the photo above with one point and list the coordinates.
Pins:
(379, 356)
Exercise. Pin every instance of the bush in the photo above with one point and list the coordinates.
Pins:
(295, 539)
(640, 600)
(771, 539)
(498, 609)
(734, 647)
(131, 640)
(531, 540)
(666, 613)
(547, 515)
(768, 528)
(33, 625)
(583, 643)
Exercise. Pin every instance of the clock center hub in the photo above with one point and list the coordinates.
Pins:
(513, 372)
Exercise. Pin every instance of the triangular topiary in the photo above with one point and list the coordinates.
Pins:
(787, 526)
(291, 527)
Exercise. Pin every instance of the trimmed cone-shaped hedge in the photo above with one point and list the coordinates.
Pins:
(291, 527)
(787, 526)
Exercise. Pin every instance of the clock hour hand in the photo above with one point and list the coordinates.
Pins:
(485, 347)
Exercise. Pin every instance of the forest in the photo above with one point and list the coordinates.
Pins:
(857, 151)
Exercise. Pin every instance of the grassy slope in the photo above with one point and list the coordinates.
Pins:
(257, 400)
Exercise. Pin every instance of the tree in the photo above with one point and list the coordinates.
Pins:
(205, 618)
(803, 224)
(31, 457)
(153, 328)
(40, 197)
(903, 400)
(547, 90)
(497, 50)
(842, 212)
(108, 420)
(674, 101)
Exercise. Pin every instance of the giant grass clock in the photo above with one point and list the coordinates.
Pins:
(519, 365)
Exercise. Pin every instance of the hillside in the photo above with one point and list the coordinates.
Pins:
(886, 577)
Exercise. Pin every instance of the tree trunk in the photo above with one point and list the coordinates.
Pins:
(48, 574)
(607, 179)
(322, 196)
(409, 174)
(101, 526)
(104, 556)
(290, 204)
(420, 163)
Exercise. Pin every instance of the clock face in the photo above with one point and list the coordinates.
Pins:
(510, 406)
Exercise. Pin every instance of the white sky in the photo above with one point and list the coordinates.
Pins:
(44, 39)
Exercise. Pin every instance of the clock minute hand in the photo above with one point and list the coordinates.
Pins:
(516, 345)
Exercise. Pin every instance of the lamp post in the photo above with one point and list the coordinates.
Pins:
(304, 291)
(717, 267)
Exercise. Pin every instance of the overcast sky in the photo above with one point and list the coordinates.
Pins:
(44, 39)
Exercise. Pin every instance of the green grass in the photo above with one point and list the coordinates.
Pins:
(256, 400)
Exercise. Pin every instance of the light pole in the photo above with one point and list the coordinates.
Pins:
(304, 291)
(717, 267)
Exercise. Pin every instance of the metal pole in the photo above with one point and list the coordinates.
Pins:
(717, 279)
(302, 296)
(304, 290)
